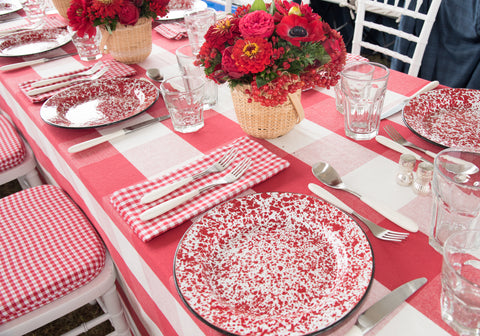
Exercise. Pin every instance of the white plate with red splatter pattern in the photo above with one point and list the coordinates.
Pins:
(33, 42)
(273, 264)
(99, 103)
(446, 117)
(179, 13)
(9, 6)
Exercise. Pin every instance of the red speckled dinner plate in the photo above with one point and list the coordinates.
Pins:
(446, 117)
(33, 42)
(99, 103)
(9, 6)
(273, 264)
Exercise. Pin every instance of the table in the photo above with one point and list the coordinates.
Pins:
(145, 269)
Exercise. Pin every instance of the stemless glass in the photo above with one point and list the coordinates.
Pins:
(363, 96)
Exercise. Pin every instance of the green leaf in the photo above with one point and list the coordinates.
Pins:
(258, 5)
(272, 8)
(261, 81)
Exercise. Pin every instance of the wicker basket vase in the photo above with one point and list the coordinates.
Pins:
(129, 44)
(266, 122)
(61, 6)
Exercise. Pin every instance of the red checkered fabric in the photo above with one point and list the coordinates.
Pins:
(12, 148)
(48, 248)
(116, 69)
(48, 22)
(127, 201)
(172, 30)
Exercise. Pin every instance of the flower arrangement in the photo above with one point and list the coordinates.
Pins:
(85, 15)
(276, 48)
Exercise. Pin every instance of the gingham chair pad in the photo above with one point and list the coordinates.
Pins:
(12, 148)
(48, 248)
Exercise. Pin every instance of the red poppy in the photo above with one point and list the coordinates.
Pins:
(252, 55)
(296, 29)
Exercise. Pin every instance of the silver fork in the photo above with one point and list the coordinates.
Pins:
(217, 167)
(49, 81)
(49, 88)
(397, 137)
(231, 177)
(378, 231)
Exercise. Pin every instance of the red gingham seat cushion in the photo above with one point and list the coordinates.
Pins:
(12, 148)
(48, 248)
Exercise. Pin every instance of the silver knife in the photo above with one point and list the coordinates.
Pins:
(107, 137)
(397, 147)
(397, 108)
(379, 310)
(33, 62)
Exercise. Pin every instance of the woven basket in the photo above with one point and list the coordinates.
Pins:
(129, 44)
(61, 6)
(266, 122)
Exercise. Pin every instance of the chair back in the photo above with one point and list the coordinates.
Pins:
(397, 9)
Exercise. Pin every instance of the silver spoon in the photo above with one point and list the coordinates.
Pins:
(155, 75)
(329, 176)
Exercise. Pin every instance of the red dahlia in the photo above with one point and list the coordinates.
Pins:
(252, 55)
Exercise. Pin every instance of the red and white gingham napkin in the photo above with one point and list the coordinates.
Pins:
(355, 58)
(116, 69)
(49, 22)
(172, 30)
(127, 201)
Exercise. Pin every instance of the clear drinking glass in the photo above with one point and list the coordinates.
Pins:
(460, 299)
(456, 194)
(363, 97)
(88, 47)
(35, 10)
(197, 25)
(183, 96)
(185, 60)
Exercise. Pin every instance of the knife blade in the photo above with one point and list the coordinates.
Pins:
(107, 137)
(33, 62)
(397, 108)
(378, 311)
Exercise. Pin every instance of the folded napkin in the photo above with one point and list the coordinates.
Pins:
(48, 22)
(127, 201)
(172, 30)
(116, 69)
(355, 58)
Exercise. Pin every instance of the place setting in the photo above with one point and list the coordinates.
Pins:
(135, 203)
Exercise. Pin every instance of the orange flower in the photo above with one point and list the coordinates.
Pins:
(252, 55)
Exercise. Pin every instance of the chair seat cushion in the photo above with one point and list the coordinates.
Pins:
(12, 148)
(48, 248)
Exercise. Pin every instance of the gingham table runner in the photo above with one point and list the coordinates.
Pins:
(12, 148)
(172, 30)
(116, 69)
(48, 248)
(127, 201)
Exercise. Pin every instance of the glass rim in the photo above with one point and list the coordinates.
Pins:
(448, 264)
(164, 90)
(436, 163)
(382, 66)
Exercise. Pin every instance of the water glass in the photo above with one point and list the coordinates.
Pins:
(361, 70)
(197, 25)
(183, 96)
(186, 63)
(35, 10)
(363, 96)
(456, 194)
(88, 47)
(460, 298)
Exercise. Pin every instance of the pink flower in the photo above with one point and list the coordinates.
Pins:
(228, 64)
(257, 24)
(128, 14)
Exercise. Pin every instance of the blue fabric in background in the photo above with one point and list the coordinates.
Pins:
(452, 55)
